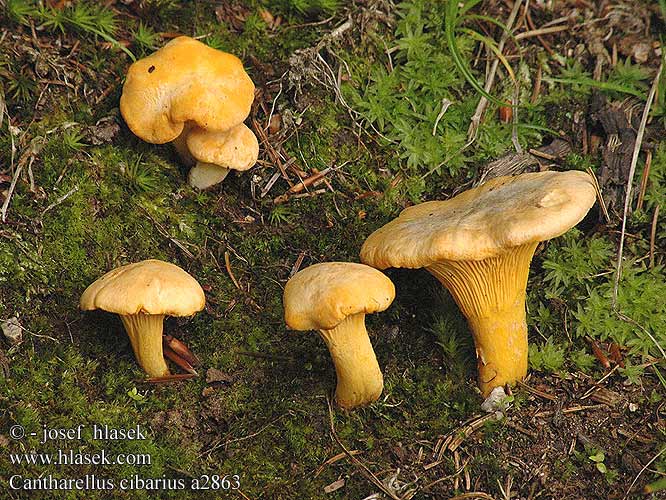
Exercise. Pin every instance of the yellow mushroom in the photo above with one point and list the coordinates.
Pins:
(479, 245)
(142, 294)
(197, 97)
(334, 298)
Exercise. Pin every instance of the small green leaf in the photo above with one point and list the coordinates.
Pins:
(136, 395)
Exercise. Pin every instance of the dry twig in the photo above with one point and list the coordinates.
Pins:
(490, 80)
(360, 466)
(632, 170)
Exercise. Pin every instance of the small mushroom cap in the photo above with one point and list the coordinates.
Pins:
(148, 287)
(236, 148)
(484, 221)
(185, 80)
(321, 296)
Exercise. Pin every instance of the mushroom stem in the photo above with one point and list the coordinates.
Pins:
(145, 334)
(180, 145)
(491, 295)
(204, 175)
(360, 380)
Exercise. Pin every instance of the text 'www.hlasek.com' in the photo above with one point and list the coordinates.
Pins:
(91, 451)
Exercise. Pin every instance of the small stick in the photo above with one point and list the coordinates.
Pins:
(573, 409)
(170, 354)
(269, 184)
(301, 185)
(644, 179)
(527, 432)
(468, 430)
(445, 105)
(227, 264)
(362, 468)
(542, 394)
(626, 495)
(5, 204)
(596, 385)
(540, 31)
(169, 378)
(309, 195)
(61, 199)
(600, 197)
(630, 178)
(181, 349)
(543, 155)
(297, 264)
(334, 459)
(653, 235)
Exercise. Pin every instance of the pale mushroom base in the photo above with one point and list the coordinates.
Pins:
(147, 345)
(491, 295)
(359, 379)
(205, 175)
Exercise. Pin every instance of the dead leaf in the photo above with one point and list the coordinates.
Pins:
(334, 486)
(215, 376)
(104, 131)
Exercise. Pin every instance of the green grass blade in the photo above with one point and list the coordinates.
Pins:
(608, 86)
(452, 17)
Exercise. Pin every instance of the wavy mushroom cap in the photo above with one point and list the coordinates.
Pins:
(484, 221)
(321, 296)
(236, 148)
(148, 287)
(185, 81)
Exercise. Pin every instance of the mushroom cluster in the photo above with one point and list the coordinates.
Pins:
(197, 98)
(478, 244)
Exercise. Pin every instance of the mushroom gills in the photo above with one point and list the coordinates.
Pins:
(491, 295)
(145, 334)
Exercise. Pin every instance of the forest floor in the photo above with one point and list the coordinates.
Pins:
(378, 99)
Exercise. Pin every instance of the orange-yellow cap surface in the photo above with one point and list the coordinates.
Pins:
(236, 148)
(185, 81)
(483, 222)
(321, 296)
(148, 287)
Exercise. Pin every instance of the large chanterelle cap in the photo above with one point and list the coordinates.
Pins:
(479, 244)
(142, 294)
(484, 221)
(185, 81)
(334, 298)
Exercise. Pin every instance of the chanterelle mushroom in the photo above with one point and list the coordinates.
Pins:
(198, 97)
(479, 244)
(142, 294)
(334, 298)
